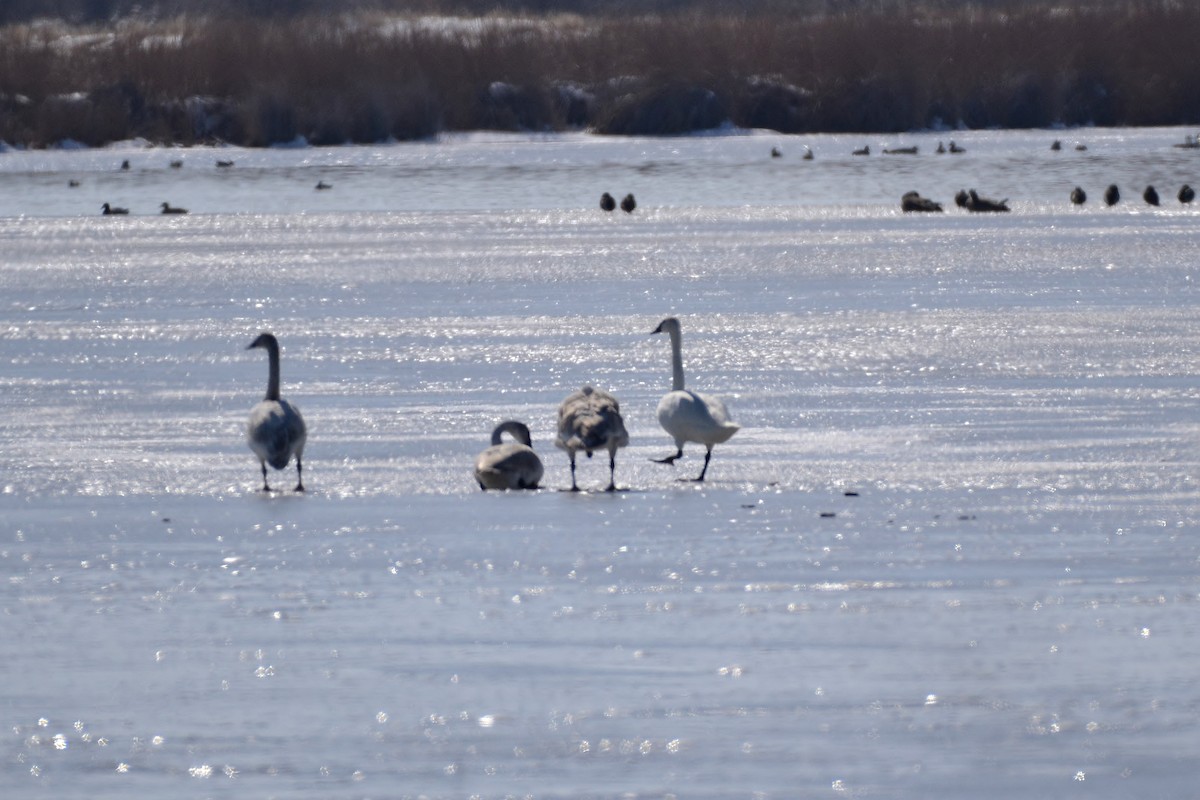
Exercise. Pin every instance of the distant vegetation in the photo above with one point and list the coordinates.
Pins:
(369, 74)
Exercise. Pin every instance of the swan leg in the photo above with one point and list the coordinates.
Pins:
(707, 456)
(265, 488)
(299, 479)
(612, 473)
(669, 459)
(574, 486)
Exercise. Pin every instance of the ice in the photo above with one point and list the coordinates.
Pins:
(951, 552)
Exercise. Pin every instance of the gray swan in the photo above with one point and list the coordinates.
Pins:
(276, 431)
(913, 201)
(509, 465)
(983, 204)
(590, 420)
(689, 416)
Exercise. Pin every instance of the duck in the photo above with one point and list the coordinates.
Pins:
(808, 154)
(224, 164)
(322, 186)
(1150, 195)
(690, 416)
(167, 208)
(509, 465)
(961, 198)
(628, 204)
(1112, 195)
(74, 183)
(913, 201)
(107, 210)
(1078, 196)
(590, 420)
(941, 148)
(276, 430)
(1056, 145)
(607, 203)
(1187, 194)
(776, 153)
(900, 151)
(956, 149)
(176, 163)
(865, 150)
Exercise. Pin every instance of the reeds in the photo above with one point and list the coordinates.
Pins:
(369, 77)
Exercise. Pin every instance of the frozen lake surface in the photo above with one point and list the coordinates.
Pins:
(952, 552)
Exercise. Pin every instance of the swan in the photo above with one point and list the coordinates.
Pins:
(912, 201)
(607, 203)
(690, 416)
(984, 204)
(509, 465)
(107, 210)
(167, 208)
(590, 420)
(276, 431)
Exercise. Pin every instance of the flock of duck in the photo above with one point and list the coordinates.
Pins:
(166, 208)
(970, 200)
(589, 421)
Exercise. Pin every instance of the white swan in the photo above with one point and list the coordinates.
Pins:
(276, 431)
(590, 420)
(690, 416)
(509, 465)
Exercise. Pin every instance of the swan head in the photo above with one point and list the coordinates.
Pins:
(668, 325)
(265, 340)
(518, 430)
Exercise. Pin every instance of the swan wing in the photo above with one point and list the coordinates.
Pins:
(276, 432)
(694, 417)
(508, 466)
(590, 420)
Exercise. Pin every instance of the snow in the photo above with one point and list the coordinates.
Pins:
(952, 550)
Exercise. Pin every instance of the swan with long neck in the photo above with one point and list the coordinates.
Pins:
(590, 420)
(509, 465)
(276, 431)
(689, 416)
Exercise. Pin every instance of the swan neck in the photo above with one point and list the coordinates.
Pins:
(676, 361)
(273, 372)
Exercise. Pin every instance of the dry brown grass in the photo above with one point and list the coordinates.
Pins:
(370, 77)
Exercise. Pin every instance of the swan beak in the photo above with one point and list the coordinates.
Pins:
(657, 330)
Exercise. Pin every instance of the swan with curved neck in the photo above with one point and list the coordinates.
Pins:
(590, 420)
(509, 465)
(690, 416)
(276, 431)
